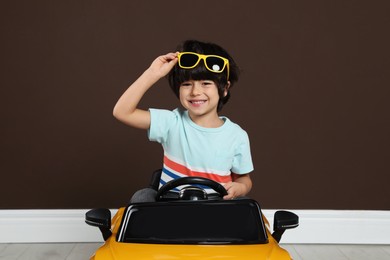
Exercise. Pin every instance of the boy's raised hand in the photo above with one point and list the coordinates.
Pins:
(126, 108)
(163, 64)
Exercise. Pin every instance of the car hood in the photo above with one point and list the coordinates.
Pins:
(121, 251)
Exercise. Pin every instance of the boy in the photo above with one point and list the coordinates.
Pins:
(196, 140)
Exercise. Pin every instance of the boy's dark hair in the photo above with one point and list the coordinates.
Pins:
(178, 75)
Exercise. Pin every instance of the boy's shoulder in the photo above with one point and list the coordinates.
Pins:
(177, 112)
(232, 124)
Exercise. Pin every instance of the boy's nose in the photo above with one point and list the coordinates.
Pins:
(196, 89)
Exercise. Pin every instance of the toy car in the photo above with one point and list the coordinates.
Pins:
(190, 224)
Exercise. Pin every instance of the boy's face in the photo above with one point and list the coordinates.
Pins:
(200, 98)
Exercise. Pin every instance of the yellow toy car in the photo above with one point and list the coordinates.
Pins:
(190, 225)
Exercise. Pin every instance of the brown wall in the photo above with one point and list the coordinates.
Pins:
(313, 97)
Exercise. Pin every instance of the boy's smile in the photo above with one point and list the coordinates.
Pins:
(197, 103)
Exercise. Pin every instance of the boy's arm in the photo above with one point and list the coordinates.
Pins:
(239, 187)
(126, 109)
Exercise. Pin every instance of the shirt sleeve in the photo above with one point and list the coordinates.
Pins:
(242, 162)
(161, 122)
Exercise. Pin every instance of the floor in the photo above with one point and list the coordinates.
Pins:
(338, 252)
(82, 251)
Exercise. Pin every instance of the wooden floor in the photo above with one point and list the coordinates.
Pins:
(82, 251)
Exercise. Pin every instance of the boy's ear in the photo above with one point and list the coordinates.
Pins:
(226, 89)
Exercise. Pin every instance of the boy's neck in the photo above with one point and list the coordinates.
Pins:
(207, 121)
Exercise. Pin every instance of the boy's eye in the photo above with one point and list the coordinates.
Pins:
(185, 84)
(207, 83)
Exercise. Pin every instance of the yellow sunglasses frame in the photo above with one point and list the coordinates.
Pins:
(203, 57)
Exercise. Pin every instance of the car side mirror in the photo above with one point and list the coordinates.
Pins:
(284, 220)
(100, 218)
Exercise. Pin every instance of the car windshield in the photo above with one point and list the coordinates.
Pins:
(190, 222)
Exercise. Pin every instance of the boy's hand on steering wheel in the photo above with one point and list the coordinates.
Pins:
(234, 189)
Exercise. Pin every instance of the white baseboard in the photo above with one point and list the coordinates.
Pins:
(338, 227)
(316, 227)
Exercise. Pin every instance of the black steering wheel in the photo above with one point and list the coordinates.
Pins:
(217, 187)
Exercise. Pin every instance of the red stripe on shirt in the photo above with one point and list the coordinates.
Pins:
(184, 170)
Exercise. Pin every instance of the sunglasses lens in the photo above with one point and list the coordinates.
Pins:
(188, 60)
(215, 64)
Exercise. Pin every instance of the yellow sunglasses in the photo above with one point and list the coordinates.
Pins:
(214, 63)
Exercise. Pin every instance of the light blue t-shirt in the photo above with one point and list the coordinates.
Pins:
(192, 150)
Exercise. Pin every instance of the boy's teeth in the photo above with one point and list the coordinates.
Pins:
(197, 102)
